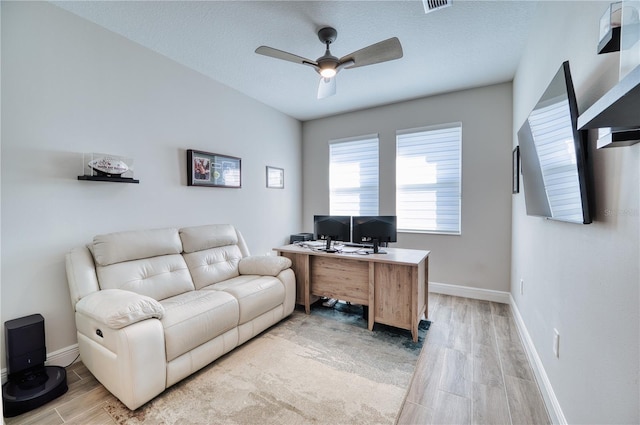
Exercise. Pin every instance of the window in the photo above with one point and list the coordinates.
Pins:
(353, 176)
(428, 179)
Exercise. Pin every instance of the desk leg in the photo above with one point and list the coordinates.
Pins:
(419, 289)
(415, 303)
(307, 285)
(372, 295)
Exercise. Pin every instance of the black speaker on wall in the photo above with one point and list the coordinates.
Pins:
(30, 383)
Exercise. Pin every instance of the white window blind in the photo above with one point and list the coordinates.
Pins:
(428, 179)
(353, 176)
(553, 138)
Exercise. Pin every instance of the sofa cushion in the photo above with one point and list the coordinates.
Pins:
(193, 318)
(213, 265)
(255, 294)
(157, 277)
(125, 246)
(199, 238)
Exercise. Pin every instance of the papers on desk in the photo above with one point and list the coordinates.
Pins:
(351, 249)
(345, 249)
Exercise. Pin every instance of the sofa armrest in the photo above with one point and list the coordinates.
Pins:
(263, 265)
(118, 308)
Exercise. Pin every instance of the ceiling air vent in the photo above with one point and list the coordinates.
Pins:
(433, 5)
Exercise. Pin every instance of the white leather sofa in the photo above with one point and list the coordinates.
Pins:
(154, 306)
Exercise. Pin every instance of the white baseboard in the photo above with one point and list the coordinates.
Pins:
(63, 357)
(549, 396)
(469, 292)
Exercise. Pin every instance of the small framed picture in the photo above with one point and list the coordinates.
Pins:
(275, 177)
(515, 185)
(212, 169)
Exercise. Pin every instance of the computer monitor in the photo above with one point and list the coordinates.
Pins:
(376, 230)
(332, 228)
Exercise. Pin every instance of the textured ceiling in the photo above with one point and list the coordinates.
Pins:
(471, 44)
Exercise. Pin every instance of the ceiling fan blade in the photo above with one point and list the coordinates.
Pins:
(382, 51)
(279, 54)
(327, 87)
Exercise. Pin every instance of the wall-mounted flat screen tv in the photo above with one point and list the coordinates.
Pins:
(553, 153)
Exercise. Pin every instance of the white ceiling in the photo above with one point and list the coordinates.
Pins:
(473, 43)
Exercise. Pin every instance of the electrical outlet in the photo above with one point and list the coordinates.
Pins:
(556, 343)
(521, 286)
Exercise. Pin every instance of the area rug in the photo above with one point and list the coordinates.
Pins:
(326, 367)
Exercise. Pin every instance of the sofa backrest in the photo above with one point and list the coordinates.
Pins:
(147, 262)
(134, 245)
(158, 263)
(212, 253)
(81, 273)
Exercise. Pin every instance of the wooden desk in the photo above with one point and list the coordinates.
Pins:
(394, 285)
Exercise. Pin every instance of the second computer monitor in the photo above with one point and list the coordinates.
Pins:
(376, 230)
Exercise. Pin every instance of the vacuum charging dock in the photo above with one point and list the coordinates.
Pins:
(27, 391)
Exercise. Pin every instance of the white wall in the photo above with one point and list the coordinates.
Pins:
(68, 87)
(581, 279)
(480, 257)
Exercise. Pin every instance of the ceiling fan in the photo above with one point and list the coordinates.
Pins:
(328, 65)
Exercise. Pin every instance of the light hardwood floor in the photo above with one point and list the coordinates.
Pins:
(472, 370)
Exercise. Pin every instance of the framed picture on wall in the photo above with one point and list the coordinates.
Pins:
(212, 169)
(275, 177)
(516, 170)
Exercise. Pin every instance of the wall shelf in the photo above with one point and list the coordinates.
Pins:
(610, 42)
(109, 179)
(619, 108)
(619, 111)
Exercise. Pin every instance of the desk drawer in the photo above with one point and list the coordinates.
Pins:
(339, 278)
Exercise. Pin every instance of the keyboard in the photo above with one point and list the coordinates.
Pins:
(315, 244)
(359, 245)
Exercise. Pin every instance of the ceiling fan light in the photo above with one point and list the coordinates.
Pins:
(328, 72)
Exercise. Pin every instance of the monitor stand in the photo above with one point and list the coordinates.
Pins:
(376, 248)
(328, 247)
